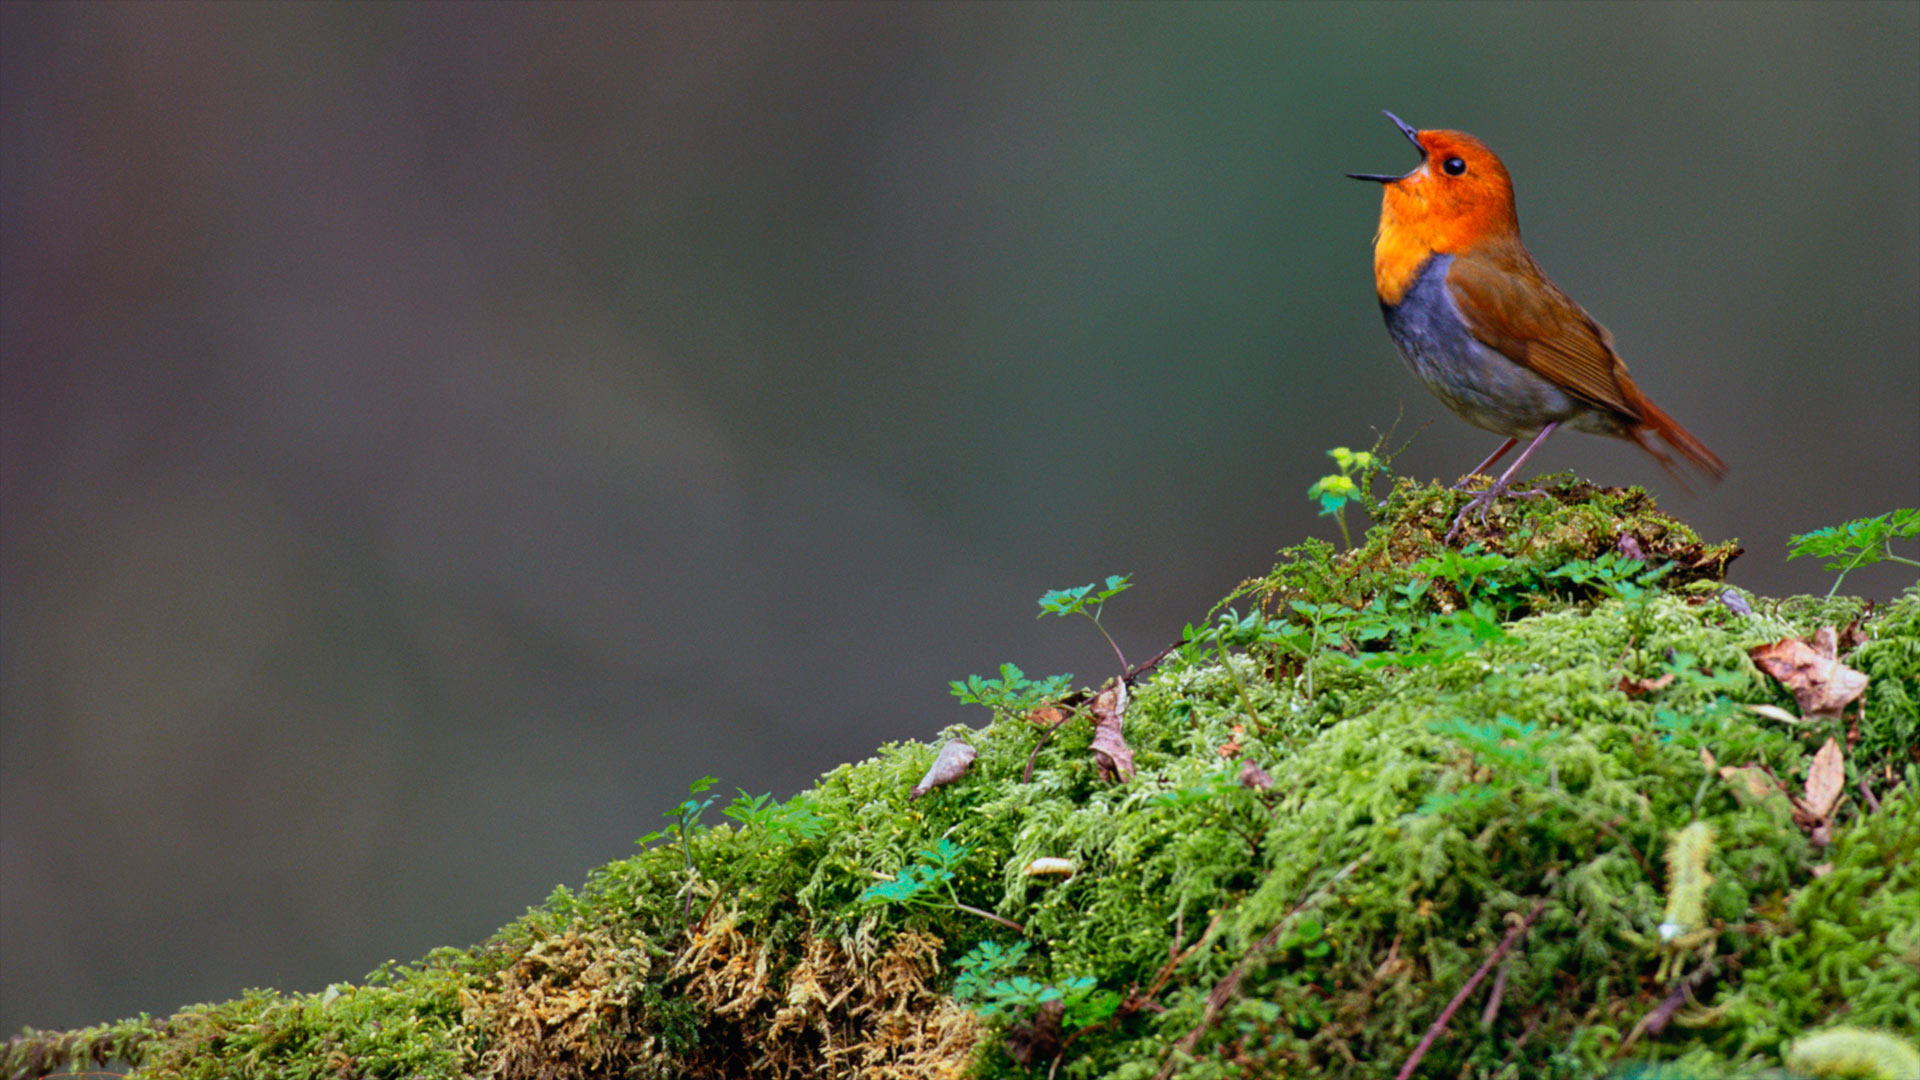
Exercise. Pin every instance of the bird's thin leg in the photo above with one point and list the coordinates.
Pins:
(1487, 464)
(1479, 503)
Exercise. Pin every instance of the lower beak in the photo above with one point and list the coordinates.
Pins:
(1412, 137)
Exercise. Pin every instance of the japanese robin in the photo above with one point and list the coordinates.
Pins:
(1480, 323)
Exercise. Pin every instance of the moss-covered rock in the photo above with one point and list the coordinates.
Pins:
(1406, 771)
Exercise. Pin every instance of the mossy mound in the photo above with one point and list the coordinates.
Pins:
(1407, 771)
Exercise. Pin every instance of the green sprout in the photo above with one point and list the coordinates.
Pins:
(1350, 484)
(1012, 692)
(1861, 542)
(686, 821)
(1064, 602)
(920, 884)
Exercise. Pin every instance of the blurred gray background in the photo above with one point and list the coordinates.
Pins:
(435, 434)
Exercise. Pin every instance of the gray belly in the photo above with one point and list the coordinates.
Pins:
(1485, 388)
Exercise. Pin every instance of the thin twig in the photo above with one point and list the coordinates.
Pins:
(1136, 1000)
(1440, 1025)
(1498, 992)
(1223, 990)
(1133, 674)
(1008, 923)
(1037, 747)
(1866, 793)
(1656, 1021)
(1526, 1032)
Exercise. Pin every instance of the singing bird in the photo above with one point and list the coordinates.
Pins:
(1480, 324)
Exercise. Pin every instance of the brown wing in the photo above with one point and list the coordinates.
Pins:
(1510, 305)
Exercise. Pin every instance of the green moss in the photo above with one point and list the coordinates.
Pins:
(1451, 738)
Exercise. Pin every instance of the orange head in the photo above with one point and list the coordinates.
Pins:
(1458, 197)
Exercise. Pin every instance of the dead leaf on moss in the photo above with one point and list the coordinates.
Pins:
(1255, 777)
(1633, 687)
(1826, 781)
(1851, 636)
(1048, 716)
(1775, 712)
(1110, 750)
(950, 765)
(1752, 785)
(1820, 683)
(1231, 748)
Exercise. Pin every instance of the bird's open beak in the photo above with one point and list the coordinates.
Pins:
(1412, 137)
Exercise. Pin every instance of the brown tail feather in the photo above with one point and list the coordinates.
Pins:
(1655, 419)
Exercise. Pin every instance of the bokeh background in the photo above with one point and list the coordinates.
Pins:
(435, 434)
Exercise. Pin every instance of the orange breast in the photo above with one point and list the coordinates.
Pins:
(1397, 259)
(1419, 220)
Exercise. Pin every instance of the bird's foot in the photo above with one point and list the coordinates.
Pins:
(1479, 504)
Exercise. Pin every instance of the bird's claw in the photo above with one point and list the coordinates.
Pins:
(1482, 502)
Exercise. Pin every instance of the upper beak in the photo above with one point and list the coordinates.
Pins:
(1412, 137)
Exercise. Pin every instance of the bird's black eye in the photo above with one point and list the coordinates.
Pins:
(1454, 166)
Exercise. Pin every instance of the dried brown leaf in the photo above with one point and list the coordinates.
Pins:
(1775, 712)
(1826, 779)
(1751, 785)
(1231, 748)
(951, 765)
(1255, 777)
(1851, 636)
(1037, 1036)
(1110, 750)
(1821, 684)
(1633, 687)
(1049, 716)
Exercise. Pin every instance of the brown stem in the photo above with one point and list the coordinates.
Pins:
(1866, 793)
(1137, 1000)
(1440, 1025)
(1223, 990)
(1656, 1021)
(1044, 740)
(1493, 996)
(1008, 923)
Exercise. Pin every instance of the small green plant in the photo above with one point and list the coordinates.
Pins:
(1612, 574)
(1084, 601)
(1306, 933)
(1860, 542)
(988, 983)
(1351, 484)
(760, 815)
(921, 883)
(1229, 631)
(686, 821)
(1473, 572)
(1012, 691)
(985, 964)
(1229, 805)
(1513, 751)
(1083, 1003)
